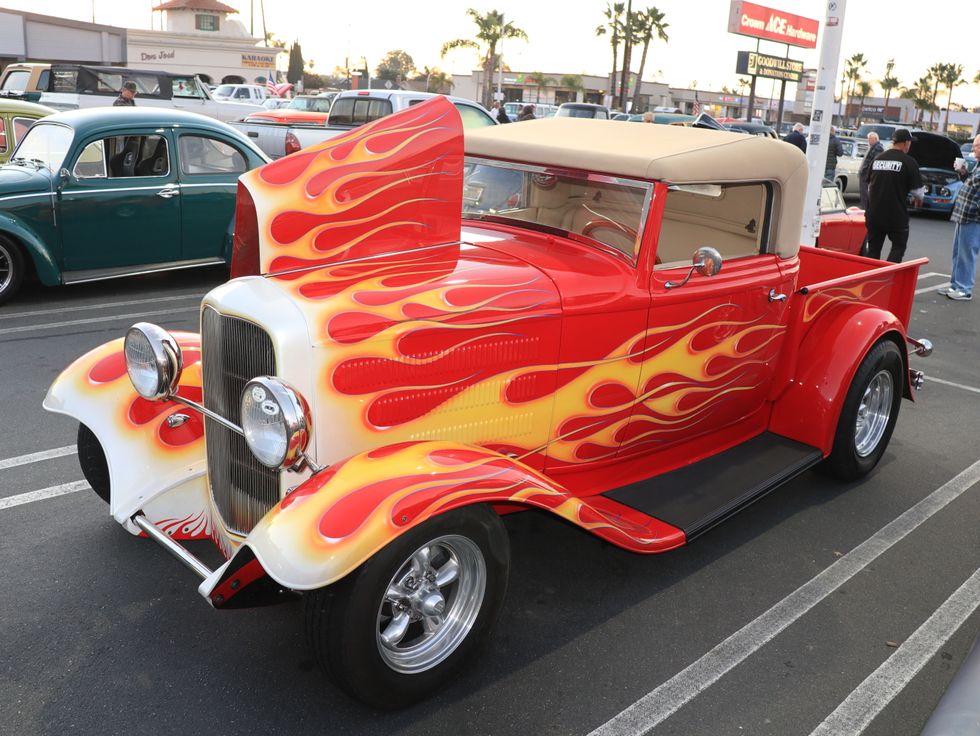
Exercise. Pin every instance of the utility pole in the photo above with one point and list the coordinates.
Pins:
(500, 67)
(820, 118)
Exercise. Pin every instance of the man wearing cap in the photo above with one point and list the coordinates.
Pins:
(125, 98)
(894, 176)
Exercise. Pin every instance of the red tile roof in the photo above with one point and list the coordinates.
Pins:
(212, 5)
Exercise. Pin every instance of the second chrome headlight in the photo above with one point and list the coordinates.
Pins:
(153, 361)
(275, 421)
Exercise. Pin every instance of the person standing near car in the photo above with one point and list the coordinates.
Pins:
(966, 236)
(875, 149)
(500, 113)
(527, 113)
(894, 176)
(834, 151)
(127, 96)
(796, 137)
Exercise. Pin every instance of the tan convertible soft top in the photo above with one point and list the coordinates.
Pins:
(669, 153)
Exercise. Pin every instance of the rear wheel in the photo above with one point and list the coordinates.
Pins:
(91, 457)
(870, 411)
(394, 630)
(11, 268)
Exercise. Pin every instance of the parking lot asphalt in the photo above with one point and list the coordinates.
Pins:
(824, 608)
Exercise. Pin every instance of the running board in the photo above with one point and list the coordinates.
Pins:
(697, 497)
(101, 274)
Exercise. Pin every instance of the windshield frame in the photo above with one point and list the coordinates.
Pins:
(40, 126)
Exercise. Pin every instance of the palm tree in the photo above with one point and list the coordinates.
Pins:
(648, 22)
(919, 93)
(863, 89)
(952, 75)
(574, 83)
(614, 26)
(491, 30)
(540, 80)
(854, 66)
(888, 83)
(935, 72)
(436, 80)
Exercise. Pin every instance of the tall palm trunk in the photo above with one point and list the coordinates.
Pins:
(639, 76)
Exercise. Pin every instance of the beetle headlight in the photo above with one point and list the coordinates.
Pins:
(153, 361)
(275, 421)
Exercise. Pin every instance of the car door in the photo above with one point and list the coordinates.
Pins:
(713, 341)
(120, 206)
(209, 166)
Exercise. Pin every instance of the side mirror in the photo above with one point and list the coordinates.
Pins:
(706, 261)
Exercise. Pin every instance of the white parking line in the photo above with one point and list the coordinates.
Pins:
(933, 379)
(36, 457)
(104, 305)
(934, 287)
(94, 320)
(32, 496)
(666, 699)
(932, 273)
(870, 697)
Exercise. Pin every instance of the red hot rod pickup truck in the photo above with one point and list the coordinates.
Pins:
(426, 333)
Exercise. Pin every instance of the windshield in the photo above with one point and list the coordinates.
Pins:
(884, 131)
(17, 80)
(46, 144)
(224, 90)
(603, 209)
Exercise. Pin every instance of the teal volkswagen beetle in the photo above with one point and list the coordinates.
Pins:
(106, 192)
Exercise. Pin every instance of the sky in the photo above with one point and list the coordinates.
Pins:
(562, 40)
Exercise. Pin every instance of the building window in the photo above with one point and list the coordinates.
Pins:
(206, 22)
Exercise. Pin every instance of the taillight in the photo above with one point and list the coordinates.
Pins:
(245, 247)
(292, 143)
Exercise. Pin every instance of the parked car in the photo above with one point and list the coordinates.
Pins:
(935, 155)
(107, 192)
(275, 103)
(849, 164)
(541, 109)
(582, 110)
(385, 378)
(252, 94)
(765, 131)
(842, 228)
(28, 78)
(313, 103)
(76, 86)
(16, 117)
(281, 133)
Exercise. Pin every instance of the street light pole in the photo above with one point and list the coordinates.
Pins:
(500, 65)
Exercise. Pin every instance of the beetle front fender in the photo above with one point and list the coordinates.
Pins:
(828, 358)
(45, 264)
(152, 467)
(337, 519)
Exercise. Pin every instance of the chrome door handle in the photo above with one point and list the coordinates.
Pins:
(168, 192)
(774, 297)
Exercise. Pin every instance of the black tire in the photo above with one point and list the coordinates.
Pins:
(858, 448)
(841, 183)
(91, 457)
(11, 268)
(344, 621)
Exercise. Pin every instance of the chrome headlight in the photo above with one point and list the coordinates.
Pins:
(153, 361)
(945, 192)
(275, 421)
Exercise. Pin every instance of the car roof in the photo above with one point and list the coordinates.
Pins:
(389, 93)
(24, 107)
(673, 154)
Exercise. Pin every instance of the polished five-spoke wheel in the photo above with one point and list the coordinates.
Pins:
(395, 629)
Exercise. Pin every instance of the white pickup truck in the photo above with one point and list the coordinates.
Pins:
(74, 86)
(350, 109)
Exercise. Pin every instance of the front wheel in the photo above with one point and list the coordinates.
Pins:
(870, 411)
(11, 268)
(91, 457)
(395, 629)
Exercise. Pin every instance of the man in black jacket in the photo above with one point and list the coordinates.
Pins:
(894, 176)
(875, 149)
(796, 137)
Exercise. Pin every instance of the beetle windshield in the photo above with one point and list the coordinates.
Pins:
(45, 145)
(607, 209)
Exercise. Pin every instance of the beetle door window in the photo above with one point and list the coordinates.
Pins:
(202, 155)
(91, 162)
(733, 219)
(131, 156)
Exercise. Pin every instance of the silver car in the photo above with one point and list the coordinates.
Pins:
(849, 164)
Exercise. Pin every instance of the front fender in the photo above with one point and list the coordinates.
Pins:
(828, 358)
(44, 262)
(340, 517)
(152, 467)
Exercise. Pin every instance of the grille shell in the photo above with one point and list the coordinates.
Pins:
(234, 351)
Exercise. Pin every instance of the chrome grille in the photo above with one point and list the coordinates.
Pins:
(234, 351)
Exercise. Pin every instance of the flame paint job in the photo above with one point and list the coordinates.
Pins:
(342, 516)
(146, 458)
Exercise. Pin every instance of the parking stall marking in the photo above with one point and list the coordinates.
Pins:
(103, 305)
(669, 697)
(45, 493)
(933, 379)
(36, 457)
(870, 697)
(95, 320)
